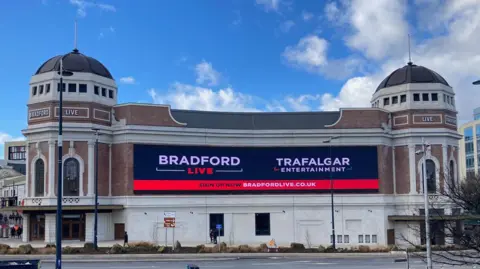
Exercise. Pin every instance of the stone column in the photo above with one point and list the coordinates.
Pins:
(50, 228)
(413, 169)
(27, 171)
(394, 174)
(91, 167)
(26, 228)
(109, 169)
(51, 169)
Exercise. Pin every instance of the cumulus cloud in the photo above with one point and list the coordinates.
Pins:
(206, 74)
(287, 26)
(127, 80)
(378, 32)
(306, 16)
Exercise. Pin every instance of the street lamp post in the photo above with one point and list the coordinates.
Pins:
(329, 142)
(95, 223)
(425, 196)
(58, 236)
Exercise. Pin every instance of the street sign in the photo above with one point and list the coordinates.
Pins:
(169, 219)
(219, 226)
(169, 214)
(169, 222)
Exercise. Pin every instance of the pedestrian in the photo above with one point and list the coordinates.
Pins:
(125, 239)
(211, 235)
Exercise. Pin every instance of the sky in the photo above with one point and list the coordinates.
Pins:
(241, 55)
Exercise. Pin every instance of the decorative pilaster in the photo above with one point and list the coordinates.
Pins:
(109, 169)
(413, 170)
(26, 225)
(91, 167)
(446, 174)
(51, 169)
(394, 176)
(27, 171)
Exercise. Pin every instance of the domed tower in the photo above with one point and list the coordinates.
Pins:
(421, 105)
(90, 92)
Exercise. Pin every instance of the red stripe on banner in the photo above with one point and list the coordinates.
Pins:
(253, 185)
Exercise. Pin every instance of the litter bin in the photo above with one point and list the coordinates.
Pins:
(189, 266)
(21, 264)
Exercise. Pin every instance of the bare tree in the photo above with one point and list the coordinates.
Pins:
(458, 238)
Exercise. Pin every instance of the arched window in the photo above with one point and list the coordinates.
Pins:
(71, 177)
(452, 174)
(39, 178)
(431, 176)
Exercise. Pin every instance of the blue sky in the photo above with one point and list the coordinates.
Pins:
(240, 55)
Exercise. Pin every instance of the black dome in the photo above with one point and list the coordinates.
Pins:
(411, 73)
(75, 62)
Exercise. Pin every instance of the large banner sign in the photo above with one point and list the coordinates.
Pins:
(163, 169)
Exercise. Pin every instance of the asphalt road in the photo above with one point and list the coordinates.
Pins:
(357, 263)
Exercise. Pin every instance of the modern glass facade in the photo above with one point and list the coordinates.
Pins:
(470, 146)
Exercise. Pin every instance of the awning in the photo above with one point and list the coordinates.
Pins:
(53, 208)
(432, 217)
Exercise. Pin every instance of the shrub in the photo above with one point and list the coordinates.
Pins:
(50, 246)
(70, 250)
(47, 251)
(26, 249)
(13, 251)
(199, 247)
(329, 249)
(321, 248)
(117, 249)
(232, 250)
(89, 246)
(4, 248)
(297, 246)
(222, 247)
(364, 248)
(161, 249)
(263, 247)
(178, 246)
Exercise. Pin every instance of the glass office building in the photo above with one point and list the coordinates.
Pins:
(469, 146)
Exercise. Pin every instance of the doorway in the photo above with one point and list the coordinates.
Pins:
(37, 227)
(73, 227)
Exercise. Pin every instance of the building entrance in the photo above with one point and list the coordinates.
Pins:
(37, 227)
(73, 227)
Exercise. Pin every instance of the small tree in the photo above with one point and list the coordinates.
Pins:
(464, 199)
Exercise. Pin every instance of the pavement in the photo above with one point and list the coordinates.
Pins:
(277, 263)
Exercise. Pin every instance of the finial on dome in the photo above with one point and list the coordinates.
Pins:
(409, 52)
(75, 38)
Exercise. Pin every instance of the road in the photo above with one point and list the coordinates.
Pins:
(280, 263)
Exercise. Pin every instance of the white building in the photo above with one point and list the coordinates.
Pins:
(377, 183)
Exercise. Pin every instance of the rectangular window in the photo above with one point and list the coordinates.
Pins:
(394, 100)
(367, 239)
(416, 97)
(82, 88)
(72, 87)
(34, 90)
(339, 239)
(58, 87)
(104, 92)
(217, 219)
(425, 97)
(403, 98)
(331, 239)
(110, 94)
(360, 239)
(435, 97)
(262, 224)
(346, 239)
(453, 101)
(40, 89)
(444, 98)
(448, 99)
(374, 238)
(96, 90)
(386, 101)
(47, 88)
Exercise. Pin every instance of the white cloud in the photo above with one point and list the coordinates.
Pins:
(184, 96)
(206, 74)
(269, 5)
(127, 80)
(309, 52)
(306, 16)
(380, 28)
(286, 26)
(83, 5)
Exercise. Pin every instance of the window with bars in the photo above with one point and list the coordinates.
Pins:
(39, 178)
(71, 180)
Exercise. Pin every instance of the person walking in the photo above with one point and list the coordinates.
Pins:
(125, 239)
